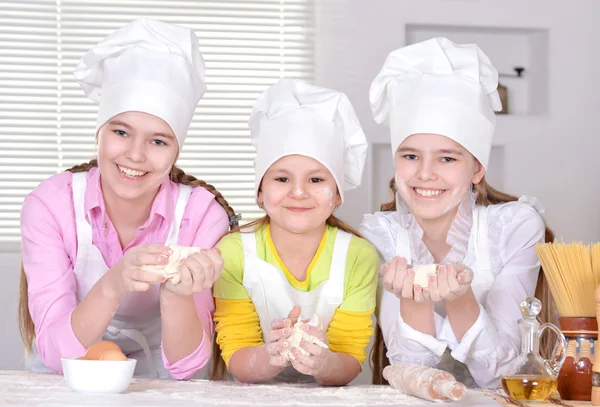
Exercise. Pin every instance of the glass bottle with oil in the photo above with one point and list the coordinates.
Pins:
(530, 376)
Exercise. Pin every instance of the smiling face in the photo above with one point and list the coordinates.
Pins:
(433, 174)
(136, 152)
(298, 193)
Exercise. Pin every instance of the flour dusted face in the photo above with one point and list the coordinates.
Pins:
(422, 273)
(298, 193)
(136, 152)
(433, 173)
(171, 270)
(298, 335)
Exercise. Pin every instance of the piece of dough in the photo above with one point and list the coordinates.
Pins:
(422, 273)
(170, 271)
(298, 335)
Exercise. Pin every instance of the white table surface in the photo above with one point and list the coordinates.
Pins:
(19, 388)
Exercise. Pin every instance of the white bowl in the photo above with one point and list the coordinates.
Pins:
(98, 376)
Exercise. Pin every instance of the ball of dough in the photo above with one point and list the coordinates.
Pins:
(422, 273)
(170, 271)
(298, 335)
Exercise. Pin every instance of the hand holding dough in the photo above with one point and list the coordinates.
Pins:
(422, 273)
(170, 271)
(298, 335)
(453, 280)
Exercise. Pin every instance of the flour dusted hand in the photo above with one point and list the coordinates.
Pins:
(298, 334)
(191, 270)
(281, 329)
(399, 279)
(312, 355)
(170, 271)
(128, 274)
(424, 382)
(452, 281)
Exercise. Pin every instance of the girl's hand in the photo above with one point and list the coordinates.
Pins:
(277, 340)
(127, 276)
(451, 282)
(398, 279)
(317, 360)
(198, 272)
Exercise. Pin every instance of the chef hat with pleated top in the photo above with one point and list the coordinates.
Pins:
(146, 66)
(293, 117)
(438, 87)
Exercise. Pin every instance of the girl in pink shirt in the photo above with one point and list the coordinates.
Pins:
(87, 232)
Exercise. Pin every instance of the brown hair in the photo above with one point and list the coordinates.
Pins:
(176, 175)
(219, 369)
(486, 195)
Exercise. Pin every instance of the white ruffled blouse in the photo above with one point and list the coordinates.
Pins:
(493, 341)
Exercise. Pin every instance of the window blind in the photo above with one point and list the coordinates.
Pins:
(47, 124)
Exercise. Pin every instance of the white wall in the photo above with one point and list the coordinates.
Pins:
(552, 156)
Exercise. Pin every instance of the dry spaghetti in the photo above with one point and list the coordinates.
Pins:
(573, 273)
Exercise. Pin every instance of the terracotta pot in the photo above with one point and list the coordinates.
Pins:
(575, 377)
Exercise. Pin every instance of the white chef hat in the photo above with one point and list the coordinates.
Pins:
(147, 66)
(293, 117)
(438, 87)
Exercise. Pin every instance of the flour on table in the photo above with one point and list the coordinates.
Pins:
(171, 270)
(298, 335)
(49, 390)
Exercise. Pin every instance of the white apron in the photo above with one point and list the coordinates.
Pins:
(137, 333)
(477, 258)
(274, 298)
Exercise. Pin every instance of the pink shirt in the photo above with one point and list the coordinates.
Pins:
(49, 250)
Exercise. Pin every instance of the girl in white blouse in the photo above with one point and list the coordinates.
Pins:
(438, 99)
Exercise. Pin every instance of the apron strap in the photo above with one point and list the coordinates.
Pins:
(403, 247)
(84, 229)
(249, 246)
(248, 243)
(184, 194)
(482, 251)
(138, 337)
(338, 263)
(252, 282)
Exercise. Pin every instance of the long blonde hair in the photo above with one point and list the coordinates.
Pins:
(176, 175)
(218, 364)
(486, 195)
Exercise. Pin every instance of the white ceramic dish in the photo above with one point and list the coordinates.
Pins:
(98, 376)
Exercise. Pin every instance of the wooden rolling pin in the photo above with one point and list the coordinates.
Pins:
(424, 382)
(596, 366)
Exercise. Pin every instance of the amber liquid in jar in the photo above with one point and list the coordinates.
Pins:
(523, 387)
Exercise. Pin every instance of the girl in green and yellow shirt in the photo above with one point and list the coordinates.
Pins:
(299, 260)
